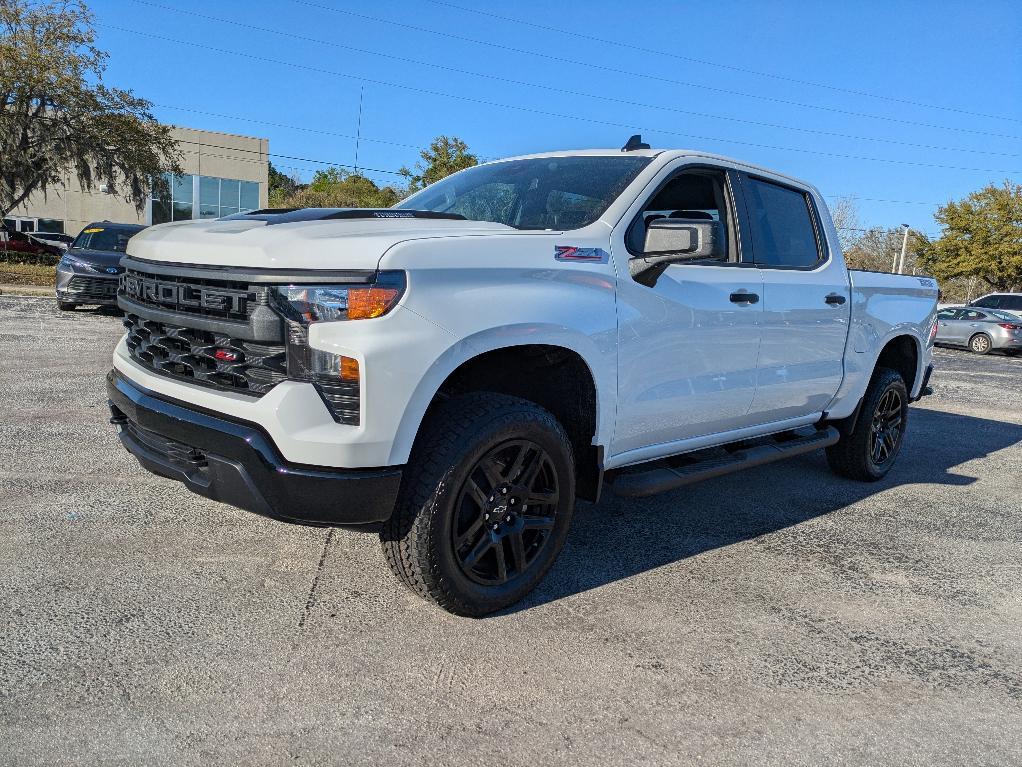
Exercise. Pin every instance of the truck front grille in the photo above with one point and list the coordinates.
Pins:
(207, 358)
(206, 297)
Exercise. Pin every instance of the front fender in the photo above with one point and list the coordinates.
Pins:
(493, 339)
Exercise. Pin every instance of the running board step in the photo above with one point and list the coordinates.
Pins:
(663, 478)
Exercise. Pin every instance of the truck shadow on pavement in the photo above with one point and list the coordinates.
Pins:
(623, 537)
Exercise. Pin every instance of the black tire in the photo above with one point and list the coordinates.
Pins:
(469, 449)
(980, 344)
(66, 306)
(869, 450)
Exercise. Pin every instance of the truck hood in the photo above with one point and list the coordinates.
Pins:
(356, 243)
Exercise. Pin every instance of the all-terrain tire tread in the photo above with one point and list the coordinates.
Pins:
(405, 536)
(847, 457)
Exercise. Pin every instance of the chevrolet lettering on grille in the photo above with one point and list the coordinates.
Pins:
(175, 295)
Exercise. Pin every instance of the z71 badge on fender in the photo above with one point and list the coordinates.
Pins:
(574, 253)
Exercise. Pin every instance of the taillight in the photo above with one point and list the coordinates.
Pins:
(1009, 326)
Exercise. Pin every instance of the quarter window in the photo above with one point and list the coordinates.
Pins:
(781, 225)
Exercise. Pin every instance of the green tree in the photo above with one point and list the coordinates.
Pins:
(57, 116)
(981, 237)
(281, 186)
(337, 188)
(877, 248)
(444, 156)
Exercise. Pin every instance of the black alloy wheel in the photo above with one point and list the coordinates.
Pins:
(871, 442)
(885, 432)
(505, 513)
(485, 504)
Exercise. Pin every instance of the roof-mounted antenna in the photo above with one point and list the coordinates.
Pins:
(635, 142)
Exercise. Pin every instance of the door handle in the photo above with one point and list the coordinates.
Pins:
(744, 297)
(835, 299)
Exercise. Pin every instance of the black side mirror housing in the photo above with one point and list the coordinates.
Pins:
(674, 241)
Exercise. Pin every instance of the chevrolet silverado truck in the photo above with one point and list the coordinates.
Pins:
(452, 373)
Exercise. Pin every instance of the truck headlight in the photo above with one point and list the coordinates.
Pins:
(306, 304)
(337, 378)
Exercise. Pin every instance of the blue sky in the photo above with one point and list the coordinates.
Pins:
(926, 96)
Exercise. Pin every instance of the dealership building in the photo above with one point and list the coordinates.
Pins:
(223, 174)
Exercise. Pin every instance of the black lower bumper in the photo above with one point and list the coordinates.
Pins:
(236, 462)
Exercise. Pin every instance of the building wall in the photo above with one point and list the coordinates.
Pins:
(204, 155)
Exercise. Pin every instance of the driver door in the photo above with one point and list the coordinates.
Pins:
(688, 344)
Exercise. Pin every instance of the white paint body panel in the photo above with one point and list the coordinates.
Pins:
(676, 367)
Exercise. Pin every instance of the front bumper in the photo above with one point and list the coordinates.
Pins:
(79, 288)
(235, 462)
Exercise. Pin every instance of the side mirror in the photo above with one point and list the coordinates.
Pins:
(673, 241)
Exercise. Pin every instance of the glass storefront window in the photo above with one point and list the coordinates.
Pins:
(182, 189)
(217, 197)
(230, 195)
(249, 195)
(209, 197)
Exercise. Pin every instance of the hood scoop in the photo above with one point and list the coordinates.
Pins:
(292, 215)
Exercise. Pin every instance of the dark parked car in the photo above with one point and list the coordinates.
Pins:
(1010, 302)
(89, 270)
(981, 330)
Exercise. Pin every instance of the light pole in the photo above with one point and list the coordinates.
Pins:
(904, 247)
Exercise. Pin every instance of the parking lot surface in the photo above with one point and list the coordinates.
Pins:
(780, 616)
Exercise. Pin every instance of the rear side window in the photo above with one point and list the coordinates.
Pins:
(1011, 303)
(781, 225)
(972, 314)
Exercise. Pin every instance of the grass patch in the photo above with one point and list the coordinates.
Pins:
(27, 274)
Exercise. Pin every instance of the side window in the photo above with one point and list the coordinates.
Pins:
(1011, 303)
(946, 314)
(988, 302)
(694, 195)
(972, 315)
(781, 225)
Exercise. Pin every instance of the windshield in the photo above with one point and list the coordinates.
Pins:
(105, 237)
(543, 193)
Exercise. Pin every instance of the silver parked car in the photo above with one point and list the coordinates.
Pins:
(981, 330)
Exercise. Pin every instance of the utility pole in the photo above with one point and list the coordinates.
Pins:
(358, 133)
(904, 247)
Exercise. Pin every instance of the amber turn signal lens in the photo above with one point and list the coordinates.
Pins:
(366, 303)
(349, 369)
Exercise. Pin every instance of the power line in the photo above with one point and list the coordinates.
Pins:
(531, 110)
(575, 34)
(646, 75)
(567, 91)
(416, 147)
(283, 157)
(285, 126)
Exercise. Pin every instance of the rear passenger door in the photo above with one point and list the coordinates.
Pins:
(806, 301)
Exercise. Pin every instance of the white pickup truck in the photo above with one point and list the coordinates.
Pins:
(453, 372)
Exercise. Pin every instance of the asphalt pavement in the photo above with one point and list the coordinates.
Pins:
(781, 616)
